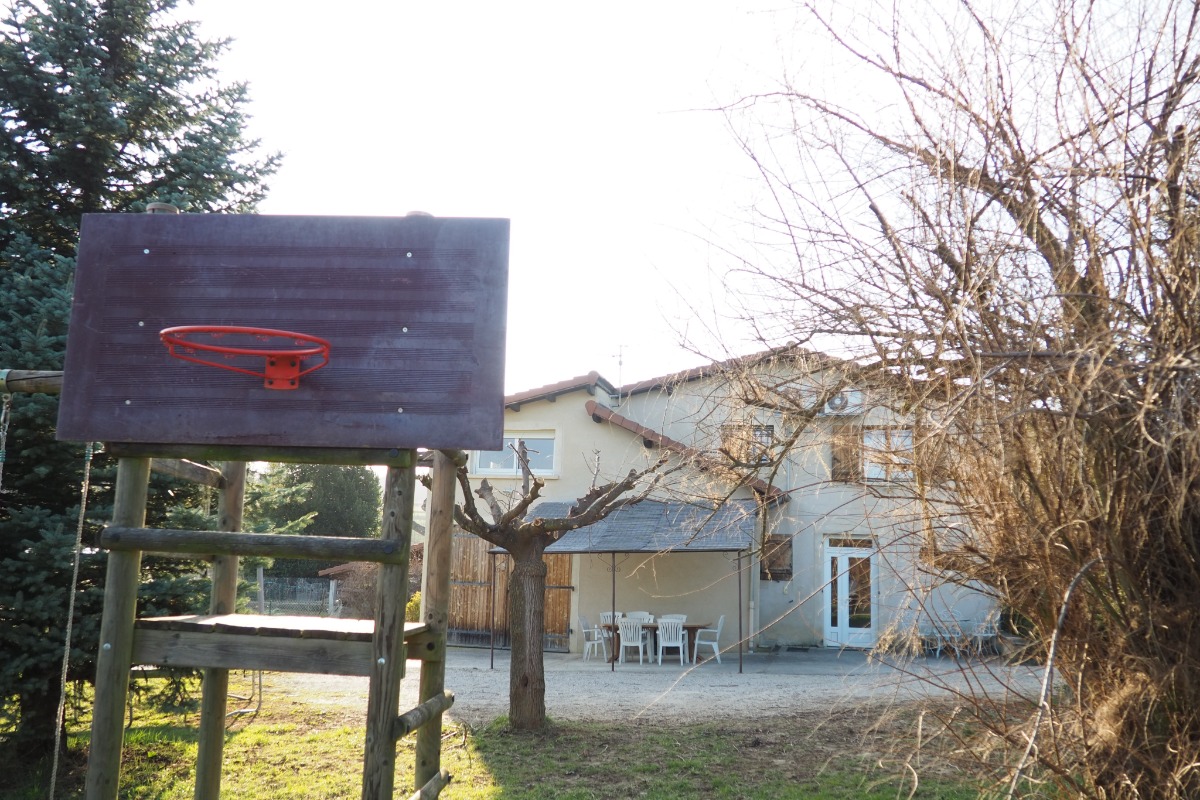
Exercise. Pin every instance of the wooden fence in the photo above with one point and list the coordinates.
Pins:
(471, 606)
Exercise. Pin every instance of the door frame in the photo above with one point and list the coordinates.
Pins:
(843, 635)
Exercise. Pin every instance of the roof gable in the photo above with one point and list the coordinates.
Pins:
(589, 383)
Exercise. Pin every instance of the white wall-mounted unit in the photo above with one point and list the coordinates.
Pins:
(847, 401)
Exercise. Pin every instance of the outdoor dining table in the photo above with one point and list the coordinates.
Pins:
(689, 629)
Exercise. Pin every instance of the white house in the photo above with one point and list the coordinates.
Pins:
(802, 529)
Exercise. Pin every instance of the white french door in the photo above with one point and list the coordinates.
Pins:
(849, 594)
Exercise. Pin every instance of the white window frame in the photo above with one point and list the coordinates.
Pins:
(887, 454)
(510, 439)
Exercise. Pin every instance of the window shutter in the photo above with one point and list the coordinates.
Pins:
(776, 563)
(846, 451)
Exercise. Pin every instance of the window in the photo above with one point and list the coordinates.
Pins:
(872, 454)
(539, 449)
(748, 444)
(852, 542)
(887, 454)
(776, 562)
(846, 452)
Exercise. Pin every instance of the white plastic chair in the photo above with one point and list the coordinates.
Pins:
(960, 633)
(632, 635)
(593, 639)
(939, 635)
(984, 637)
(681, 618)
(671, 634)
(934, 638)
(606, 624)
(710, 637)
(646, 618)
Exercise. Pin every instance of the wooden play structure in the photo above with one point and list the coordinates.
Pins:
(406, 316)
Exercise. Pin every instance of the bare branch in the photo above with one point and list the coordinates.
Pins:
(488, 495)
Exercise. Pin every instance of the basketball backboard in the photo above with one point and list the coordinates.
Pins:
(413, 309)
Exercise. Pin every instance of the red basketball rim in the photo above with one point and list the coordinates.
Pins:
(175, 336)
(283, 364)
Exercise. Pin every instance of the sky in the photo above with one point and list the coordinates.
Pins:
(590, 126)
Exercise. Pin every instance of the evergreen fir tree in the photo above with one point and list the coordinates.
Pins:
(105, 106)
(326, 500)
(345, 500)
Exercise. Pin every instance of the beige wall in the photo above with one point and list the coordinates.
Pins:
(580, 441)
(702, 585)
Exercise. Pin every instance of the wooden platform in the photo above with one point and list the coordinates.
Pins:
(321, 645)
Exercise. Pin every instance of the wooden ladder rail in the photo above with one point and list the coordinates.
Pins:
(214, 690)
(126, 540)
(387, 653)
(114, 660)
(435, 609)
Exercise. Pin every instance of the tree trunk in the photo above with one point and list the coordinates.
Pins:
(39, 722)
(526, 624)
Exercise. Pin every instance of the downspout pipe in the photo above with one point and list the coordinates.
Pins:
(755, 587)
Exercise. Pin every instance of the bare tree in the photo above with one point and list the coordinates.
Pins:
(1002, 218)
(508, 525)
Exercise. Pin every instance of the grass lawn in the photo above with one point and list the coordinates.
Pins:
(290, 749)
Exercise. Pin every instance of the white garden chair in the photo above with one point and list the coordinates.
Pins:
(593, 639)
(985, 637)
(671, 634)
(632, 636)
(710, 637)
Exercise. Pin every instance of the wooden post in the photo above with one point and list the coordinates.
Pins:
(261, 592)
(435, 610)
(387, 650)
(116, 636)
(30, 381)
(215, 689)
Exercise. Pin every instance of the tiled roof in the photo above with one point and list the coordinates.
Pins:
(588, 383)
(667, 382)
(673, 379)
(594, 380)
(654, 527)
(653, 438)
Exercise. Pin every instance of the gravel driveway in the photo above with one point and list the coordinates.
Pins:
(768, 684)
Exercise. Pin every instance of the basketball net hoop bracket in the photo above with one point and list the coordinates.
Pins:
(285, 353)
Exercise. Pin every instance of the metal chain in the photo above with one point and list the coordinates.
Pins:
(62, 697)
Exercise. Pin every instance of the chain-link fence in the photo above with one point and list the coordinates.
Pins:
(303, 596)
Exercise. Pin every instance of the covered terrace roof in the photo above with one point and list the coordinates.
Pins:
(653, 526)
